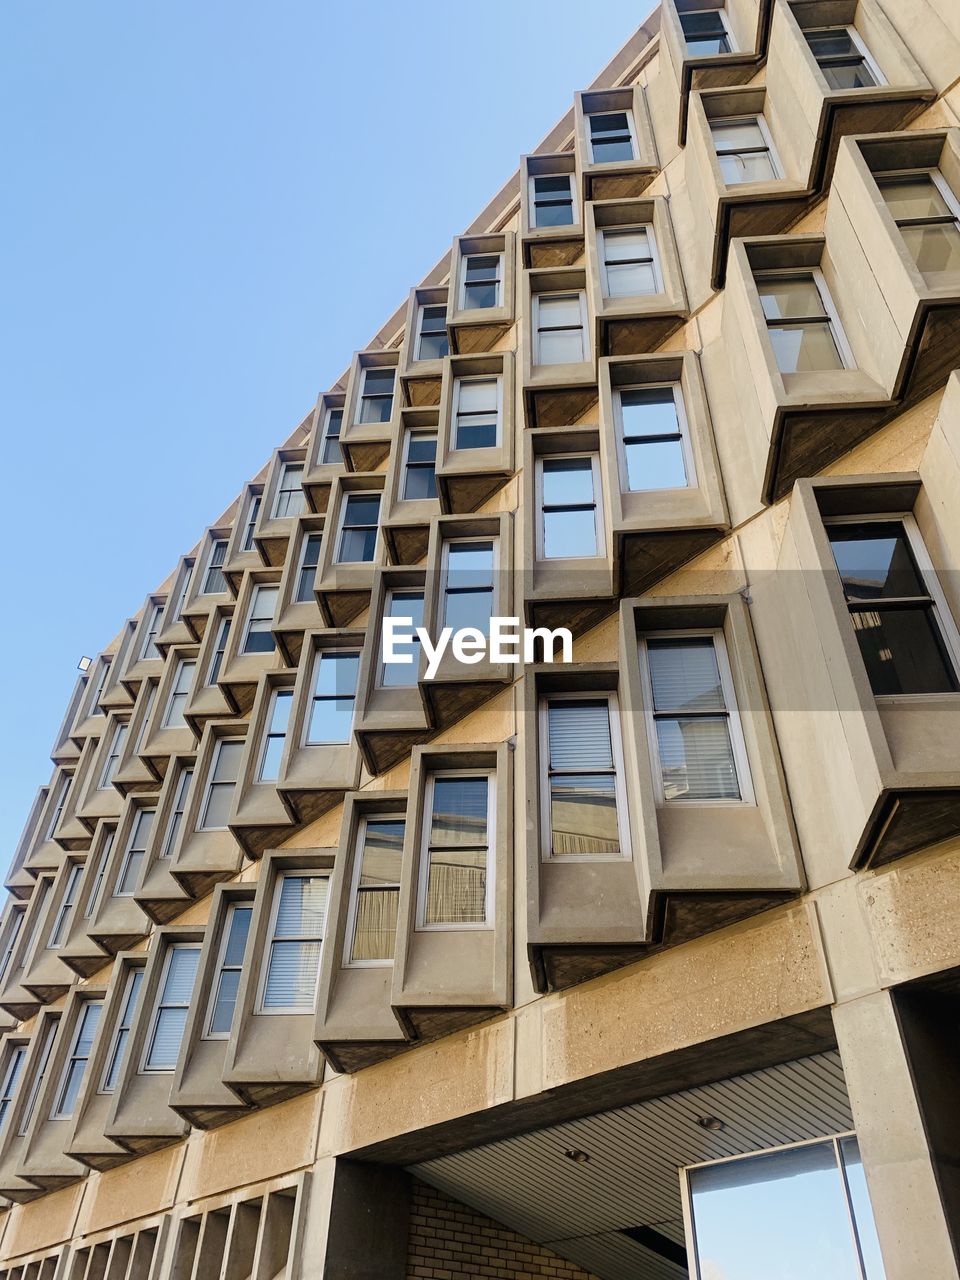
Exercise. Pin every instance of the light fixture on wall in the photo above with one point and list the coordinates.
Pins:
(84, 663)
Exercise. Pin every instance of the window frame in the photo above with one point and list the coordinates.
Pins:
(759, 119)
(219, 968)
(313, 698)
(117, 743)
(150, 632)
(220, 648)
(945, 621)
(100, 872)
(210, 783)
(598, 513)
(631, 129)
(252, 514)
(462, 540)
(724, 22)
(276, 693)
(41, 1064)
(178, 808)
(423, 869)
(345, 497)
(422, 308)
(132, 991)
(129, 851)
(158, 1006)
(405, 463)
(347, 961)
(462, 303)
(880, 80)
(303, 567)
(683, 424)
(831, 317)
(388, 596)
(68, 901)
(12, 1073)
(458, 381)
(56, 1111)
(203, 588)
(281, 494)
(326, 436)
(655, 262)
(257, 590)
(581, 295)
(738, 745)
(362, 396)
(619, 775)
(174, 693)
(266, 952)
(532, 195)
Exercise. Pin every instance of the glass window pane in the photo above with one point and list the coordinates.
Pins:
(649, 412)
(583, 814)
(219, 804)
(612, 151)
(292, 975)
(579, 734)
(862, 1209)
(569, 534)
(477, 395)
(480, 296)
(457, 887)
(832, 42)
(270, 763)
(552, 186)
(477, 434)
(225, 1002)
(71, 1087)
(913, 197)
(167, 1037)
(302, 907)
(875, 561)
(362, 509)
(237, 938)
(482, 268)
(935, 250)
(855, 76)
(696, 758)
(459, 812)
(629, 280)
(181, 971)
(375, 928)
(788, 297)
(408, 605)
(685, 674)
(805, 348)
(701, 22)
(559, 309)
(781, 1215)
(382, 853)
(554, 215)
(357, 545)
(609, 122)
(753, 166)
(469, 609)
(336, 674)
(737, 135)
(419, 483)
(227, 767)
(707, 46)
(470, 564)
(903, 651)
(378, 382)
(624, 246)
(331, 721)
(567, 481)
(657, 464)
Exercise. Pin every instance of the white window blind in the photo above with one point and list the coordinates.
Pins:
(300, 908)
(170, 1015)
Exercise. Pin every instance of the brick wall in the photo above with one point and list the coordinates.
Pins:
(447, 1240)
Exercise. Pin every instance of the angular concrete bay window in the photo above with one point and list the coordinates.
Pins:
(659, 465)
(271, 1054)
(132, 773)
(65, 750)
(425, 346)
(44, 852)
(284, 499)
(144, 658)
(390, 713)
(90, 718)
(352, 547)
(85, 1139)
(719, 842)
(324, 457)
(242, 550)
(480, 306)
(587, 888)
(207, 700)
(206, 850)
(634, 275)
(475, 453)
(558, 344)
(615, 147)
(169, 731)
(46, 975)
(321, 759)
(158, 892)
(454, 944)
(551, 226)
(98, 797)
(118, 921)
(567, 536)
(261, 816)
(173, 628)
(356, 1025)
(70, 832)
(370, 410)
(78, 949)
(209, 586)
(115, 696)
(19, 938)
(799, 340)
(251, 648)
(297, 608)
(140, 1117)
(198, 1093)
(24, 1078)
(410, 497)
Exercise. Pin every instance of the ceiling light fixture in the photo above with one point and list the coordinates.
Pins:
(713, 1124)
(577, 1156)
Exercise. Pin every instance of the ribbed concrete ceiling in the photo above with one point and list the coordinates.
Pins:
(580, 1210)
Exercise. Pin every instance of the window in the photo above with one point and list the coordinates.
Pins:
(330, 451)
(432, 341)
(151, 698)
(223, 778)
(276, 735)
(307, 573)
(468, 568)
(290, 499)
(173, 1003)
(482, 285)
(121, 1035)
(358, 528)
(48, 1034)
(898, 612)
(843, 58)
(583, 800)
(692, 721)
(63, 790)
(630, 265)
(113, 757)
(104, 671)
(705, 32)
(561, 328)
(148, 648)
(928, 215)
(136, 849)
(787, 1190)
(296, 936)
(407, 605)
(258, 637)
(229, 967)
(67, 903)
(333, 697)
(376, 395)
(217, 661)
(571, 525)
(744, 150)
(182, 590)
(455, 884)
(253, 511)
(372, 924)
(611, 137)
(99, 873)
(551, 199)
(476, 413)
(10, 1080)
(179, 693)
(420, 465)
(213, 580)
(803, 329)
(654, 438)
(16, 925)
(76, 1066)
(176, 817)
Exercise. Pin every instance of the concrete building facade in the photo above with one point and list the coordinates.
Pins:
(641, 966)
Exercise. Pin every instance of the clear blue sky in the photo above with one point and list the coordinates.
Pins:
(208, 206)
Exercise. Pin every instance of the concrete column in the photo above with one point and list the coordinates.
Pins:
(900, 1174)
(355, 1222)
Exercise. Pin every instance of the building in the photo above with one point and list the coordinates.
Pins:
(646, 965)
